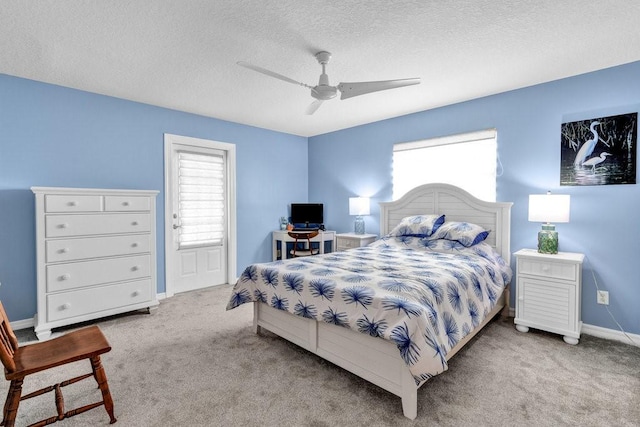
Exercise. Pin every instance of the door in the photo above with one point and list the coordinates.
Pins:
(199, 196)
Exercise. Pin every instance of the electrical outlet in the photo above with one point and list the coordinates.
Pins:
(603, 297)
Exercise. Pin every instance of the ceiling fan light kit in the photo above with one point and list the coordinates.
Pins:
(323, 91)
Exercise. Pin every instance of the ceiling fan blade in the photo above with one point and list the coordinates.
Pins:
(314, 106)
(349, 90)
(271, 73)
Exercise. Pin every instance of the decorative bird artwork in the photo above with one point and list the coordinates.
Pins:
(587, 148)
(600, 150)
(596, 161)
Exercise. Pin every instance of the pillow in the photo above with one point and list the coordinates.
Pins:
(465, 233)
(418, 225)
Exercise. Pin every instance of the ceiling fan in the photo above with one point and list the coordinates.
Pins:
(323, 91)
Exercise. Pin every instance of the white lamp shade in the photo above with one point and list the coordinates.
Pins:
(358, 206)
(549, 207)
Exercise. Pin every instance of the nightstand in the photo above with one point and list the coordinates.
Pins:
(346, 241)
(548, 293)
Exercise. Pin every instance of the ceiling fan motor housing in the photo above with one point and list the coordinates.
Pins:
(324, 91)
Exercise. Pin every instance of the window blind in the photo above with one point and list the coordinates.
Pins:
(201, 199)
(466, 160)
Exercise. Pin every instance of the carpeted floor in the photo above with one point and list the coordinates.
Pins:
(194, 364)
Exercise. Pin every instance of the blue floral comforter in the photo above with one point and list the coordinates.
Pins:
(423, 296)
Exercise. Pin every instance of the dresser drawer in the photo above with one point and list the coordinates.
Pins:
(73, 275)
(93, 300)
(126, 203)
(84, 225)
(94, 247)
(72, 203)
(548, 269)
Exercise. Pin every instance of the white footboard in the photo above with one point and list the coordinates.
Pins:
(373, 359)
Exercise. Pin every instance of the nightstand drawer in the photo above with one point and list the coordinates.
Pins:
(548, 269)
(344, 243)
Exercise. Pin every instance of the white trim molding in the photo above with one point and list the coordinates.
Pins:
(23, 324)
(611, 334)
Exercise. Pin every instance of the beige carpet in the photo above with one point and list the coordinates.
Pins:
(195, 364)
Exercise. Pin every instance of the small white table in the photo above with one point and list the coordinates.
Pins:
(346, 241)
(548, 293)
(283, 237)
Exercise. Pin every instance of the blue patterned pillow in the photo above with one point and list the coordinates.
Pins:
(465, 233)
(418, 226)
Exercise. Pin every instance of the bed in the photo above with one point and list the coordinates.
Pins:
(305, 301)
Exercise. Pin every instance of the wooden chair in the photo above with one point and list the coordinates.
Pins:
(19, 362)
(303, 235)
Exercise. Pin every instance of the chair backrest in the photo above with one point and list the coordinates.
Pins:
(8, 341)
(303, 235)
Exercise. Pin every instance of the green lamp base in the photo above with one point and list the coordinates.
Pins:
(548, 239)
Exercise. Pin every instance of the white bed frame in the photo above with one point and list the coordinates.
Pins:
(376, 360)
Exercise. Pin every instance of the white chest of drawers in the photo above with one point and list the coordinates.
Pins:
(548, 293)
(96, 254)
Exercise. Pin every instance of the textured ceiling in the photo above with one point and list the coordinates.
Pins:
(182, 54)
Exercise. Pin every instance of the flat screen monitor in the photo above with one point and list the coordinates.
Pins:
(307, 214)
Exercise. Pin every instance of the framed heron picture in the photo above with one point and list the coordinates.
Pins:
(599, 151)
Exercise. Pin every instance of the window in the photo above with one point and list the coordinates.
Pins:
(466, 160)
(201, 199)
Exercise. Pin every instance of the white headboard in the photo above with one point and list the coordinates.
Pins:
(457, 205)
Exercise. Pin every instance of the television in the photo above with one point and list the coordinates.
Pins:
(307, 215)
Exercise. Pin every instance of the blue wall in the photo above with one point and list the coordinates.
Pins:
(55, 136)
(357, 161)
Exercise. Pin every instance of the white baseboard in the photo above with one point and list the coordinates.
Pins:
(611, 334)
(16, 325)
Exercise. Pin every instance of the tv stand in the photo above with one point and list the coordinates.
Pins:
(282, 237)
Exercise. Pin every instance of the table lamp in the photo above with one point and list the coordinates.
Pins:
(359, 206)
(548, 208)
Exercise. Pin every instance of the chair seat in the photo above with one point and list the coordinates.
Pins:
(71, 347)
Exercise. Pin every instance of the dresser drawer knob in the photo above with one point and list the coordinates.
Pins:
(134, 223)
(135, 268)
(63, 250)
(134, 245)
(65, 276)
(135, 293)
(72, 203)
(65, 306)
(63, 225)
(125, 203)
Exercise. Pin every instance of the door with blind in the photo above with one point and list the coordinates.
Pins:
(197, 215)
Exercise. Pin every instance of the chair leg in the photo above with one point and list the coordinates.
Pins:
(101, 379)
(11, 405)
